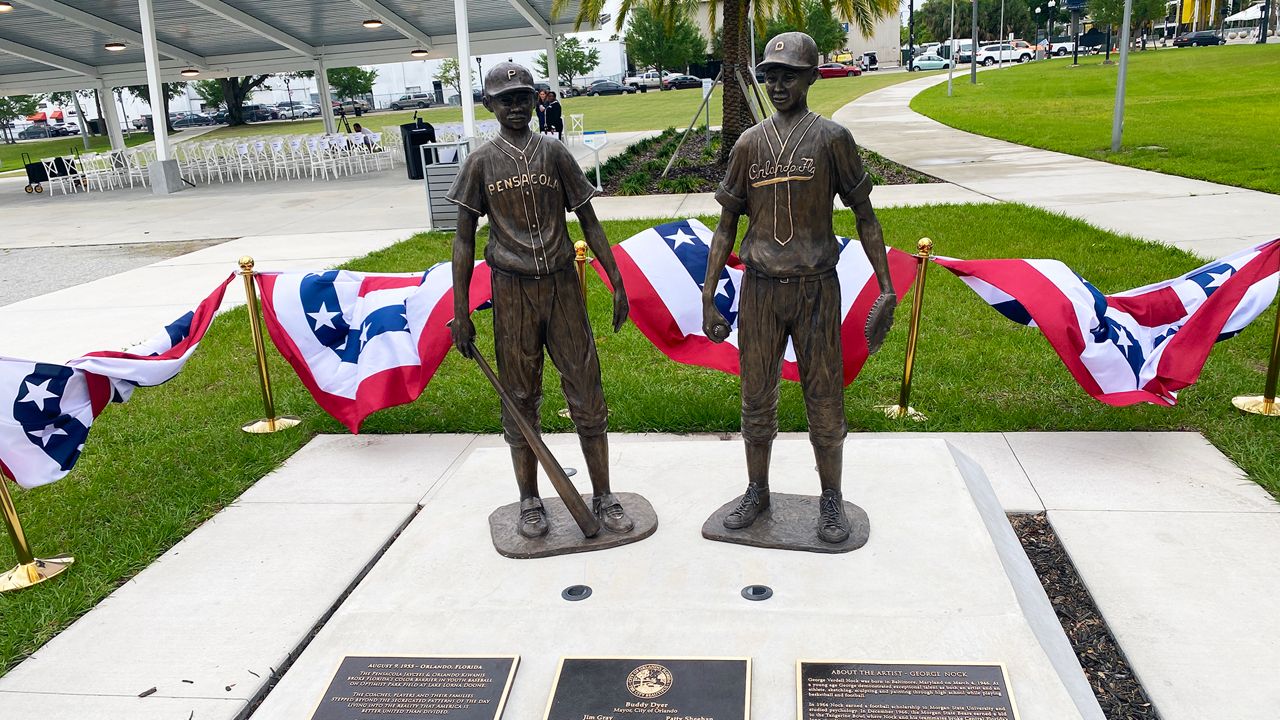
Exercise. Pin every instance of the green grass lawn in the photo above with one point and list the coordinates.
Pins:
(160, 465)
(11, 155)
(1201, 112)
(653, 110)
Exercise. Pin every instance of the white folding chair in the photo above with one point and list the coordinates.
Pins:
(319, 158)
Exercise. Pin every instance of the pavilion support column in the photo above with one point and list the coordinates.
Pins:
(463, 30)
(165, 176)
(111, 117)
(326, 97)
(553, 67)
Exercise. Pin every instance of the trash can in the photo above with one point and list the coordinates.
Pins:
(96, 126)
(414, 136)
(440, 163)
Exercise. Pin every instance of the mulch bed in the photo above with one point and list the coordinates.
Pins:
(638, 171)
(1113, 681)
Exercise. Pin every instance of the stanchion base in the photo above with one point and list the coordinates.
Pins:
(24, 576)
(261, 427)
(897, 412)
(1256, 404)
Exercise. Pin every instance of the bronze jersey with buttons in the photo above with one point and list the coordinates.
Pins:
(784, 181)
(525, 191)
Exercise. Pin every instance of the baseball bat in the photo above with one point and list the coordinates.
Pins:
(582, 514)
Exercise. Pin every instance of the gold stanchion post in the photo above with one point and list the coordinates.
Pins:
(924, 248)
(270, 423)
(1265, 404)
(580, 257)
(30, 570)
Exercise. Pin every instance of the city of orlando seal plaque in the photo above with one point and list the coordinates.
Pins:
(649, 681)
(651, 688)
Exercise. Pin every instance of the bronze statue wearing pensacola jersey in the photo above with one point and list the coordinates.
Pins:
(783, 175)
(525, 183)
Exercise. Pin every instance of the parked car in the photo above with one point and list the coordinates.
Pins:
(648, 80)
(349, 106)
(609, 87)
(181, 120)
(33, 132)
(992, 54)
(681, 82)
(140, 123)
(413, 100)
(1200, 37)
(930, 61)
(300, 110)
(834, 70)
(259, 113)
(1057, 48)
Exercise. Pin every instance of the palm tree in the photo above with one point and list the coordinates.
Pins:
(735, 38)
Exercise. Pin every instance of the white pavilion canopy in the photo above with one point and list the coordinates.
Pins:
(52, 45)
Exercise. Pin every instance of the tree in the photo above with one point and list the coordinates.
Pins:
(572, 59)
(816, 20)
(215, 93)
(171, 91)
(15, 107)
(351, 82)
(210, 91)
(735, 46)
(664, 43)
(934, 19)
(922, 35)
(1111, 13)
(449, 75)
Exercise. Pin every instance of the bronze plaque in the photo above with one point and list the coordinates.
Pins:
(848, 690)
(651, 689)
(405, 688)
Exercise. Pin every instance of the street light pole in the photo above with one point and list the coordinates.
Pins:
(973, 48)
(911, 31)
(1263, 22)
(951, 49)
(1000, 38)
(1117, 116)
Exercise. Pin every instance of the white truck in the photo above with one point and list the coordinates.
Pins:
(651, 80)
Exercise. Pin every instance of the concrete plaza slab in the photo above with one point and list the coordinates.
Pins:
(1142, 471)
(262, 574)
(1190, 597)
(930, 584)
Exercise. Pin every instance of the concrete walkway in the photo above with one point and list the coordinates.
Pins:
(1174, 543)
(1206, 218)
(296, 225)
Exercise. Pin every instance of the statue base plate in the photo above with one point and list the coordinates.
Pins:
(564, 536)
(790, 523)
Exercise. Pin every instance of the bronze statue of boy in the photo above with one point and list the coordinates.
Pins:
(525, 182)
(783, 175)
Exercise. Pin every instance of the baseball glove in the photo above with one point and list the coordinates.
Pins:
(879, 320)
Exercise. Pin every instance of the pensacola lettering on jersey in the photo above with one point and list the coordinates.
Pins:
(524, 180)
(771, 172)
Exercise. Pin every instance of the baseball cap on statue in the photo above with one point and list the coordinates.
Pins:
(790, 49)
(507, 77)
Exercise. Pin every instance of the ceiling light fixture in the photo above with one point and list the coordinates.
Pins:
(6, 7)
(190, 72)
(373, 24)
(114, 46)
(419, 53)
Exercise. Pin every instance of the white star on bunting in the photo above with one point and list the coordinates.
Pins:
(324, 318)
(38, 394)
(681, 238)
(45, 435)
